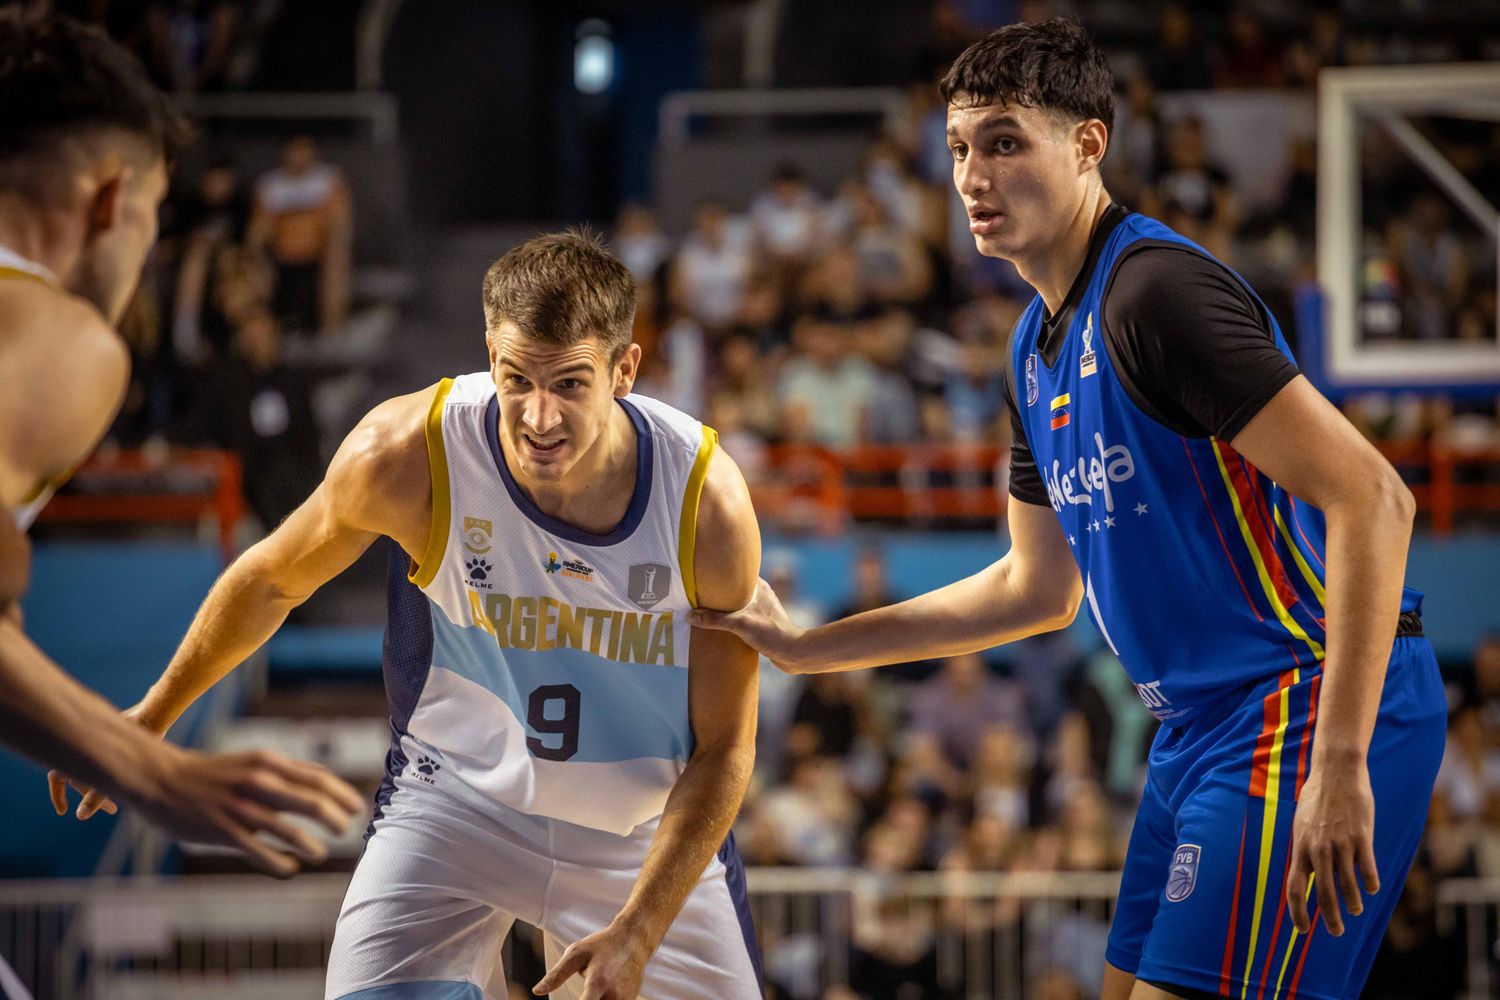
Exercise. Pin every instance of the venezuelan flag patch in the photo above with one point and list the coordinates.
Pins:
(1062, 407)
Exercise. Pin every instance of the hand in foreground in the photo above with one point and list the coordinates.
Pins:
(763, 624)
(93, 800)
(227, 799)
(1332, 832)
(611, 962)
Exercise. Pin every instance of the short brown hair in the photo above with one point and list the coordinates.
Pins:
(562, 288)
(1053, 65)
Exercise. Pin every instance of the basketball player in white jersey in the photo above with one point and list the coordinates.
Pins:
(567, 751)
(84, 140)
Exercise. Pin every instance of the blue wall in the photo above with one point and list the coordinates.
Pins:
(112, 615)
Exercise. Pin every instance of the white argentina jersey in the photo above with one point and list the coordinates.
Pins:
(536, 664)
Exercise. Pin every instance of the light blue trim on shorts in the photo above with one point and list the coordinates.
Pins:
(422, 989)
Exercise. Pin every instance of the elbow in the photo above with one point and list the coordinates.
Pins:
(1065, 609)
(1396, 497)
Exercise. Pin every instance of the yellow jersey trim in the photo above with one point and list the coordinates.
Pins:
(442, 503)
(687, 526)
(16, 272)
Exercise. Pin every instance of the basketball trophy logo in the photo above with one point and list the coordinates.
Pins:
(649, 583)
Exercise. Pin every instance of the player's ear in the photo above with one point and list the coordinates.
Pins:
(1093, 140)
(626, 369)
(108, 200)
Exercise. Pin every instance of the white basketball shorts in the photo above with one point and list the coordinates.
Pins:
(442, 880)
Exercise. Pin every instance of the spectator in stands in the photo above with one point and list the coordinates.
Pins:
(814, 813)
(1470, 773)
(190, 42)
(712, 269)
(257, 406)
(742, 378)
(888, 177)
(1434, 271)
(788, 223)
(1246, 57)
(959, 705)
(893, 955)
(1178, 61)
(214, 222)
(825, 392)
(975, 393)
(302, 220)
(1002, 775)
(640, 243)
(892, 260)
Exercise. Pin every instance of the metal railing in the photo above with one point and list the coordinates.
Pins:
(992, 935)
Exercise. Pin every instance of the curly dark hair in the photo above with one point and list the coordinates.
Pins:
(1052, 65)
(60, 78)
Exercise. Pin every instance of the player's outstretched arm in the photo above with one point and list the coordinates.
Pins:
(1302, 442)
(722, 689)
(376, 484)
(1033, 588)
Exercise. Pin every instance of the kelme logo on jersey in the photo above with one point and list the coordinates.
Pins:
(649, 583)
(1096, 473)
(1062, 410)
(1183, 875)
(479, 571)
(478, 534)
(1033, 389)
(551, 565)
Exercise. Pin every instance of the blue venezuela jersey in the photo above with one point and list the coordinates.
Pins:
(1202, 574)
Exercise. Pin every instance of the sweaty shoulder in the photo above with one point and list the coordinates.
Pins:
(63, 374)
(727, 549)
(380, 476)
(1193, 347)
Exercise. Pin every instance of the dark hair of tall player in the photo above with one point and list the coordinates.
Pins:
(86, 141)
(1030, 108)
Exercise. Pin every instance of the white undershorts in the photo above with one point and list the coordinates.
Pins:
(441, 881)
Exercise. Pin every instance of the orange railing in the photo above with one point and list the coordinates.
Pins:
(823, 488)
(182, 486)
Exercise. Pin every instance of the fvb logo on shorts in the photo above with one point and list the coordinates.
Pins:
(649, 583)
(478, 535)
(1184, 874)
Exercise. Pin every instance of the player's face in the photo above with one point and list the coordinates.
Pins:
(123, 230)
(555, 402)
(1020, 174)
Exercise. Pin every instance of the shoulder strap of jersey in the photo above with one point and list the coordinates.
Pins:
(423, 573)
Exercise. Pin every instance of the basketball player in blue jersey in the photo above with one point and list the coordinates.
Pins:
(566, 750)
(1237, 543)
(84, 143)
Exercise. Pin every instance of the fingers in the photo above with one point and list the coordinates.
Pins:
(573, 961)
(309, 790)
(257, 819)
(1367, 866)
(1297, 886)
(704, 618)
(94, 801)
(1325, 885)
(262, 856)
(57, 788)
(1354, 901)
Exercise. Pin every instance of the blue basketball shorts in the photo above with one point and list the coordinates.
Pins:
(1203, 896)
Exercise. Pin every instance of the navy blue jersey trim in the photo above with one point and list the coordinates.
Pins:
(734, 879)
(407, 656)
(639, 501)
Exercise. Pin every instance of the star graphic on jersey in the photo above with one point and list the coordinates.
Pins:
(1140, 509)
(1072, 540)
(1096, 525)
(1087, 526)
(1109, 522)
